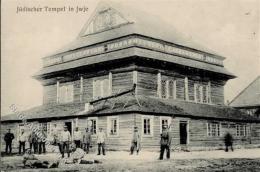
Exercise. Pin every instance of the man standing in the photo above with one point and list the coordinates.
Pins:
(42, 148)
(55, 134)
(22, 140)
(228, 141)
(77, 137)
(65, 141)
(135, 144)
(165, 143)
(101, 141)
(33, 140)
(87, 140)
(8, 141)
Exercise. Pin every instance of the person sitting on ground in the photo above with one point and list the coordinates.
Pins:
(135, 143)
(228, 139)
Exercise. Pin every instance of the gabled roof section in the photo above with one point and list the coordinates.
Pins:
(104, 18)
(249, 97)
(114, 20)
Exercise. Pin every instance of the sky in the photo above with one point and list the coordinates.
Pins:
(229, 27)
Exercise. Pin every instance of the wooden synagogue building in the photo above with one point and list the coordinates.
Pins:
(127, 68)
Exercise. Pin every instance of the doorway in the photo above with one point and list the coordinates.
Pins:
(69, 125)
(183, 132)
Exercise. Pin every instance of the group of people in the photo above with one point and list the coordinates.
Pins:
(35, 142)
(63, 140)
(80, 140)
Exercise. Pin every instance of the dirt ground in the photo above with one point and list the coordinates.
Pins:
(241, 160)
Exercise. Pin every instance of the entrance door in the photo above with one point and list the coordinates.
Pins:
(69, 125)
(183, 132)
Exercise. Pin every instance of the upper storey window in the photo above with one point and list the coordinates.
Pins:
(102, 87)
(183, 88)
(66, 93)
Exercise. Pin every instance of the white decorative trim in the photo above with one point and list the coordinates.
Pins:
(58, 91)
(110, 80)
(135, 80)
(167, 89)
(159, 85)
(81, 88)
(186, 89)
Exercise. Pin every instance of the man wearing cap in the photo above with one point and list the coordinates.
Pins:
(65, 141)
(77, 137)
(135, 143)
(165, 142)
(101, 141)
(8, 140)
(87, 140)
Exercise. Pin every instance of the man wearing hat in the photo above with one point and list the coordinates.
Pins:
(65, 141)
(8, 140)
(165, 142)
(135, 143)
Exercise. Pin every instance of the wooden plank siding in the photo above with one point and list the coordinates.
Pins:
(122, 81)
(217, 92)
(49, 94)
(146, 84)
(197, 132)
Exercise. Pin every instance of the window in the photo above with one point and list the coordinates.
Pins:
(101, 88)
(202, 93)
(172, 89)
(163, 89)
(113, 126)
(66, 93)
(241, 130)
(213, 129)
(92, 125)
(147, 125)
(164, 121)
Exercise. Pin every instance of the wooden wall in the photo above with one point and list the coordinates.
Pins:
(197, 129)
(49, 94)
(146, 84)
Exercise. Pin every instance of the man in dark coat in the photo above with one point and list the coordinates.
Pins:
(165, 143)
(42, 140)
(8, 140)
(228, 141)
